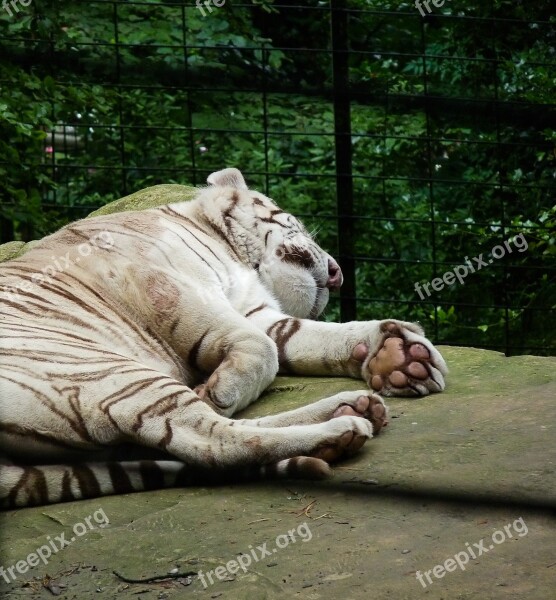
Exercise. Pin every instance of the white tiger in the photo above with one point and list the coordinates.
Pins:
(122, 365)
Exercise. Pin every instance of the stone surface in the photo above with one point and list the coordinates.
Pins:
(448, 471)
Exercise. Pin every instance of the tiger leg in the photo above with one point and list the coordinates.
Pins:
(145, 407)
(393, 357)
(361, 403)
(170, 417)
(153, 410)
(242, 360)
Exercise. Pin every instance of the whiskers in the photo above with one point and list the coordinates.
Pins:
(314, 231)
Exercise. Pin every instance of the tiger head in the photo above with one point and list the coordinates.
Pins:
(290, 264)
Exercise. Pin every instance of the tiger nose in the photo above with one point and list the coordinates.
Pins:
(335, 277)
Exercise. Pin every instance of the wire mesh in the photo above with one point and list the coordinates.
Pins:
(411, 158)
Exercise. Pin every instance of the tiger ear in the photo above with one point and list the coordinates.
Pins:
(228, 177)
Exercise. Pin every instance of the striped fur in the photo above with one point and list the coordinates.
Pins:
(129, 340)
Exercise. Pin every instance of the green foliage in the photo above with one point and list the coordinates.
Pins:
(101, 99)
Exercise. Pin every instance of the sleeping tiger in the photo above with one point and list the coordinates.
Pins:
(128, 342)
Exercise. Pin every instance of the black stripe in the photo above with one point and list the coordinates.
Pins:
(120, 479)
(193, 356)
(152, 475)
(87, 480)
(33, 481)
(201, 257)
(225, 239)
(251, 312)
(192, 223)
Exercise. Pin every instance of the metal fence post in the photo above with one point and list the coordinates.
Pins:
(343, 151)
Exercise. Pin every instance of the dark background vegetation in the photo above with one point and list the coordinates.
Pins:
(451, 121)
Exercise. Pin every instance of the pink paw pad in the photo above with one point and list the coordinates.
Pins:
(399, 367)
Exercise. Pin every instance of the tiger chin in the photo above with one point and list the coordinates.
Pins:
(129, 341)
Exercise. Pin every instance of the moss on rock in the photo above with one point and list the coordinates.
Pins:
(11, 250)
(150, 197)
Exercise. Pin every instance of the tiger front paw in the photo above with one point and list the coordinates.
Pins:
(405, 363)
